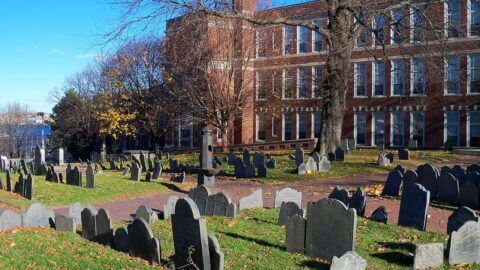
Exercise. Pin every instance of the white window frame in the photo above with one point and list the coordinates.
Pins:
(412, 26)
(392, 32)
(355, 80)
(274, 125)
(394, 69)
(469, 18)
(284, 40)
(298, 82)
(284, 78)
(391, 128)
(445, 18)
(470, 74)
(445, 127)
(299, 34)
(423, 126)
(257, 126)
(445, 77)
(412, 78)
(374, 74)
(314, 34)
(355, 127)
(374, 27)
(468, 126)
(374, 127)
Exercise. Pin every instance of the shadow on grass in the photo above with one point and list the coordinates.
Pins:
(263, 221)
(257, 241)
(174, 188)
(397, 257)
(311, 264)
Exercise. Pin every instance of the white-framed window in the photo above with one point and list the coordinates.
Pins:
(362, 37)
(360, 119)
(302, 82)
(302, 39)
(452, 75)
(378, 36)
(288, 87)
(417, 77)
(397, 129)
(473, 73)
(261, 90)
(378, 128)
(317, 80)
(451, 132)
(360, 79)
(301, 125)
(274, 39)
(418, 23)
(473, 19)
(261, 127)
(378, 78)
(261, 42)
(398, 71)
(318, 44)
(473, 129)
(287, 126)
(452, 18)
(417, 127)
(317, 124)
(288, 41)
(399, 26)
(274, 127)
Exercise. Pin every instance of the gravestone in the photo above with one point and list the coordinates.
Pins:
(157, 170)
(295, 228)
(427, 177)
(390, 156)
(465, 244)
(246, 156)
(169, 207)
(220, 204)
(254, 200)
(262, 170)
(352, 145)
(340, 194)
(331, 157)
(445, 169)
(287, 195)
(142, 160)
(126, 170)
(358, 201)
(403, 154)
(474, 177)
(75, 212)
(258, 159)
(311, 165)
(65, 224)
(142, 243)
(103, 227)
(150, 165)
(316, 156)
(240, 168)
(90, 175)
(459, 173)
(302, 169)
(217, 258)
(339, 154)
(190, 234)
(10, 219)
(473, 168)
(414, 207)
(287, 210)
(324, 164)
(469, 195)
(380, 215)
(400, 168)
(382, 160)
(428, 256)
(177, 177)
(393, 183)
(9, 181)
(331, 229)
(147, 214)
(77, 176)
(448, 190)
(249, 171)
(271, 163)
(38, 214)
(231, 157)
(135, 172)
(460, 217)
(29, 187)
(349, 261)
(120, 240)
(200, 196)
(299, 156)
(148, 176)
(410, 178)
(88, 223)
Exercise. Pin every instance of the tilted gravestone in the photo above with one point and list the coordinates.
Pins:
(380, 215)
(295, 228)
(220, 204)
(339, 154)
(90, 175)
(341, 195)
(169, 207)
(427, 177)
(65, 224)
(348, 261)
(299, 156)
(142, 243)
(465, 244)
(120, 240)
(287, 195)
(358, 201)
(393, 183)
(200, 196)
(331, 229)
(428, 256)
(448, 189)
(469, 195)
(190, 236)
(254, 200)
(287, 210)
(403, 154)
(460, 217)
(147, 214)
(414, 207)
(38, 214)
(409, 178)
(10, 219)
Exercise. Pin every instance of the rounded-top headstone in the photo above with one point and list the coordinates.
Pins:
(186, 207)
(460, 217)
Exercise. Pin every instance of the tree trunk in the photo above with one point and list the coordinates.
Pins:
(224, 141)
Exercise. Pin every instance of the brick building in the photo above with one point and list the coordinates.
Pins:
(426, 90)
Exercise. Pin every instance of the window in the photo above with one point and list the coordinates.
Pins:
(261, 90)
(261, 43)
(275, 80)
(287, 126)
(397, 128)
(473, 129)
(360, 70)
(302, 89)
(398, 77)
(418, 24)
(301, 125)
(302, 39)
(360, 128)
(362, 37)
(318, 39)
(452, 128)
(378, 131)
(417, 128)
(379, 30)
(274, 39)
(288, 39)
(398, 27)
(473, 74)
(317, 124)
(452, 18)
(378, 69)
(474, 18)
(261, 127)
(452, 78)
(274, 127)
(287, 83)
(417, 79)
(317, 80)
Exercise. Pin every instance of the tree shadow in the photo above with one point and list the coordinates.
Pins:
(257, 241)
(410, 247)
(174, 188)
(395, 256)
(263, 221)
(311, 264)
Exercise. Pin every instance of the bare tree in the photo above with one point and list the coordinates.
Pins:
(16, 129)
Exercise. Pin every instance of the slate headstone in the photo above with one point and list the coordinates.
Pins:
(358, 201)
(299, 156)
(200, 196)
(339, 154)
(65, 224)
(147, 214)
(460, 217)
(88, 223)
(410, 178)
(217, 258)
(403, 154)
(414, 207)
(427, 177)
(469, 195)
(341, 195)
(120, 240)
(393, 183)
(448, 189)
(90, 175)
(220, 204)
(295, 228)
(380, 215)
(142, 243)
(287, 210)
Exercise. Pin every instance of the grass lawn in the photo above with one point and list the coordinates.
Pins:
(110, 185)
(250, 241)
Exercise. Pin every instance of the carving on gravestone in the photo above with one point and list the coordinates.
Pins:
(200, 196)
(75, 211)
(380, 215)
(120, 240)
(410, 177)
(254, 200)
(295, 229)
(190, 235)
(465, 244)
(217, 258)
(169, 207)
(339, 154)
(340, 194)
(10, 219)
(393, 183)
(65, 224)
(469, 195)
(448, 189)
(142, 243)
(331, 229)
(90, 175)
(358, 201)
(103, 227)
(147, 214)
(246, 157)
(428, 256)
(287, 210)
(427, 177)
(220, 204)
(287, 195)
(299, 157)
(38, 214)
(414, 207)
(206, 158)
(350, 260)
(459, 217)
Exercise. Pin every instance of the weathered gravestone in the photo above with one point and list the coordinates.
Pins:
(287, 195)
(157, 170)
(38, 214)
(220, 204)
(271, 163)
(254, 200)
(231, 157)
(469, 195)
(120, 240)
(75, 212)
(302, 169)
(460, 217)
(349, 261)
(200, 196)
(287, 210)
(339, 154)
(135, 172)
(240, 168)
(465, 244)
(90, 175)
(410, 177)
(311, 165)
(380, 215)
(88, 223)
(324, 164)
(459, 173)
(217, 258)
(427, 177)
(246, 157)
(414, 207)
(103, 227)
(29, 189)
(126, 170)
(358, 201)
(393, 183)
(428, 256)
(65, 224)
(340, 194)
(262, 170)
(10, 219)
(77, 177)
(295, 228)
(448, 190)
(147, 214)
(403, 154)
(299, 156)
(169, 207)
(331, 229)
(142, 243)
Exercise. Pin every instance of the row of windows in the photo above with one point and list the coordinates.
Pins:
(417, 128)
(301, 130)
(399, 28)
